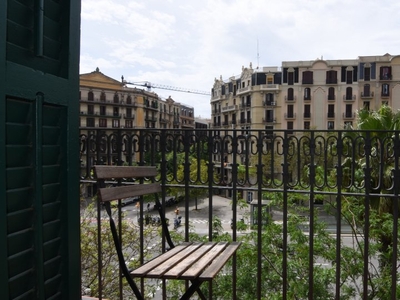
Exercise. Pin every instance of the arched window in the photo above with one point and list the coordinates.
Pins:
(349, 93)
(90, 96)
(129, 99)
(308, 77)
(331, 93)
(103, 97)
(116, 98)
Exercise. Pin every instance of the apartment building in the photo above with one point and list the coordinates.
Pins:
(106, 103)
(320, 94)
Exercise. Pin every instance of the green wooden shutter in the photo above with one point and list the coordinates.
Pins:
(35, 149)
(39, 149)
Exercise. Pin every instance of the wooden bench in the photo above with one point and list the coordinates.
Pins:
(196, 262)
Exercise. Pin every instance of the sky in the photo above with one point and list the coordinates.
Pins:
(186, 44)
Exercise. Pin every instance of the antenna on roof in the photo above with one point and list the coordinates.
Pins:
(258, 55)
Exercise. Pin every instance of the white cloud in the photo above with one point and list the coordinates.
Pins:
(189, 43)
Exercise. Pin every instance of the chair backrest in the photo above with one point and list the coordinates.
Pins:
(104, 173)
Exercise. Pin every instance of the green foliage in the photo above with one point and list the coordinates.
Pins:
(130, 244)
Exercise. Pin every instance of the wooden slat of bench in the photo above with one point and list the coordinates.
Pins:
(121, 192)
(147, 267)
(164, 267)
(217, 264)
(202, 263)
(108, 172)
(187, 263)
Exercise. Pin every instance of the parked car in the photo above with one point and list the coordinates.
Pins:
(128, 201)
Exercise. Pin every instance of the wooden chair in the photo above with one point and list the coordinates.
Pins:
(196, 262)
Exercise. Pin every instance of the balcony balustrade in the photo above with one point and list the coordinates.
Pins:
(290, 98)
(269, 103)
(244, 90)
(350, 97)
(312, 228)
(270, 87)
(349, 115)
(229, 108)
(290, 115)
(367, 94)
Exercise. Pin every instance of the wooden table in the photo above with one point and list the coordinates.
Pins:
(197, 262)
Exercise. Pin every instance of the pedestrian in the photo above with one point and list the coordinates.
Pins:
(177, 211)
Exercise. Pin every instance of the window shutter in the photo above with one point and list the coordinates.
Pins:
(373, 70)
(361, 70)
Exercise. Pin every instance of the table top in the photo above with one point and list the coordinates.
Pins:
(189, 261)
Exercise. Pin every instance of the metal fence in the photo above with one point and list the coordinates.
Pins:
(351, 176)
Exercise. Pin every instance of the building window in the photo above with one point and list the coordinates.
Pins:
(128, 124)
(331, 125)
(307, 125)
(90, 96)
(331, 111)
(349, 77)
(89, 122)
(366, 105)
(248, 101)
(129, 99)
(290, 111)
(269, 132)
(116, 111)
(233, 119)
(102, 122)
(385, 90)
(349, 93)
(103, 97)
(331, 77)
(269, 98)
(307, 94)
(331, 93)
(385, 73)
(366, 91)
(90, 109)
(307, 77)
(102, 110)
(290, 78)
(290, 94)
(367, 74)
(349, 110)
(307, 111)
(115, 124)
(290, 127)
(269, 116)
(129, 112)
(348, 124)
(116, 98)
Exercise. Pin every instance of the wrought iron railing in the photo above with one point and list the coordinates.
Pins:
(302, 179)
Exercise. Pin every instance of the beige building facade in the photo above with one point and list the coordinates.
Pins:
(106, 103)
(318, 94)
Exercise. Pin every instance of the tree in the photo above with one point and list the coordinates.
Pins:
(381, 124)
(89, 254)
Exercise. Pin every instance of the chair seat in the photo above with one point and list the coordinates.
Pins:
(189, 261)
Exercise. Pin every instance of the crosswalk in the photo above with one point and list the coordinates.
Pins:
(205, 221)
